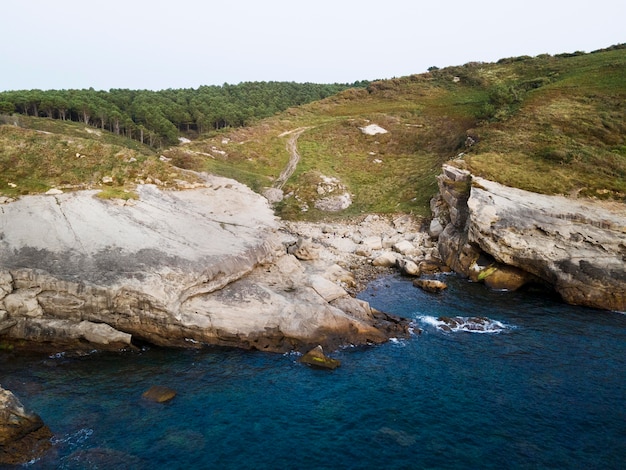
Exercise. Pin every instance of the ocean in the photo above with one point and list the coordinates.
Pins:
(533, 383)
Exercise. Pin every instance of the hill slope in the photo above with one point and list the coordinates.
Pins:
(550, 124)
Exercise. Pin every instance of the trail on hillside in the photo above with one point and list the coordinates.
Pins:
(294, 156)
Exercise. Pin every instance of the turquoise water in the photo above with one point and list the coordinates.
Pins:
(544, 388)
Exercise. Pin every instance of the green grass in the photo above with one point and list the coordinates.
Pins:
(66, 156)
(550, 124)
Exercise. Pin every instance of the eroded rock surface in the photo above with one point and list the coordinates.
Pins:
(577, 246)
(23, 435)
(177, 268)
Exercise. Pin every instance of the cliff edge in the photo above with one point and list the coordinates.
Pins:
(508, 237)
(173, 268)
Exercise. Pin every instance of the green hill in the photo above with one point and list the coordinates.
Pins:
(550, 124)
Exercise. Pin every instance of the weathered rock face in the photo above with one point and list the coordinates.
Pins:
(578, 247)
(23, 435)
(176, 268)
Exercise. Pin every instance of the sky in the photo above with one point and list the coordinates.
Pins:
(156, 44)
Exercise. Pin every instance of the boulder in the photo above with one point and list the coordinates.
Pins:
(408, 267)
(430, 285)
(373, 129)
(435, 228)
(385, 260)
(503, 277)
(429, 266)
(372, 243)
(23, 435)
(404, 247)
(304, 250)
(273, 195)
(316, 358)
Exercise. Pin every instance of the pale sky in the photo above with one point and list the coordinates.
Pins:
(157, 44)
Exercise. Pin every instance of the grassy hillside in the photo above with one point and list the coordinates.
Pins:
(551, 124)
(38, 154)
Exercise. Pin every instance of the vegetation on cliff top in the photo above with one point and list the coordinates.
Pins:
(550, 124)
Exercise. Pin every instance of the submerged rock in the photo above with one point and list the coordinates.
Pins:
(159, 394)
(316, 358)
(23, 435)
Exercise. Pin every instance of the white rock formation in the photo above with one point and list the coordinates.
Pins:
(373, 129)
(577, 246)
(177, 268)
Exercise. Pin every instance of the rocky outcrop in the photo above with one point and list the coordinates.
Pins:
(23, 435)
(576, 246)
(316, 358)
(174, 268)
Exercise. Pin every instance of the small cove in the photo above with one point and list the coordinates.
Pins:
(545, 388)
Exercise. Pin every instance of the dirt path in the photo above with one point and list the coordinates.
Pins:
(294, 156)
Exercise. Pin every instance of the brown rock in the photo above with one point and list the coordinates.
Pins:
(316, 358)
(23, 435)
(502, 277)
(429, 266)
(430, 285)
(159, 394)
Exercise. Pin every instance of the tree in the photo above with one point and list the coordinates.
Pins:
(6, 107)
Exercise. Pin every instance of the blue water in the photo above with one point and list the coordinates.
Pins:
(546, 388)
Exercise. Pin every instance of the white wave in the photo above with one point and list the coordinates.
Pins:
(468, 324)
(398, 341)
(74, 439)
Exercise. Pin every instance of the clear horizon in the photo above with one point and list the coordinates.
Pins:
(158, 45)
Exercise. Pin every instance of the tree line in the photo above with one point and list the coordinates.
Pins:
(158, 118)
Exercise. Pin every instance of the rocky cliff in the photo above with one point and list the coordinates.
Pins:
(508, 237)
(174, 268)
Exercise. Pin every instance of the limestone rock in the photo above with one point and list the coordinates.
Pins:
(304, 250)
(372, 243)
(385, 260)
(316, 358)
(273, 195)
(577, 246)
(326, 289)
(430, 285)
(373, 129)
(408, 267)
(435, 228)
(6, 284)
(177, 269)
(404, 247)
(23, 435)
(68, 332)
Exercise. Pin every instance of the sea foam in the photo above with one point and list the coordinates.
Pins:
(468, 324)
